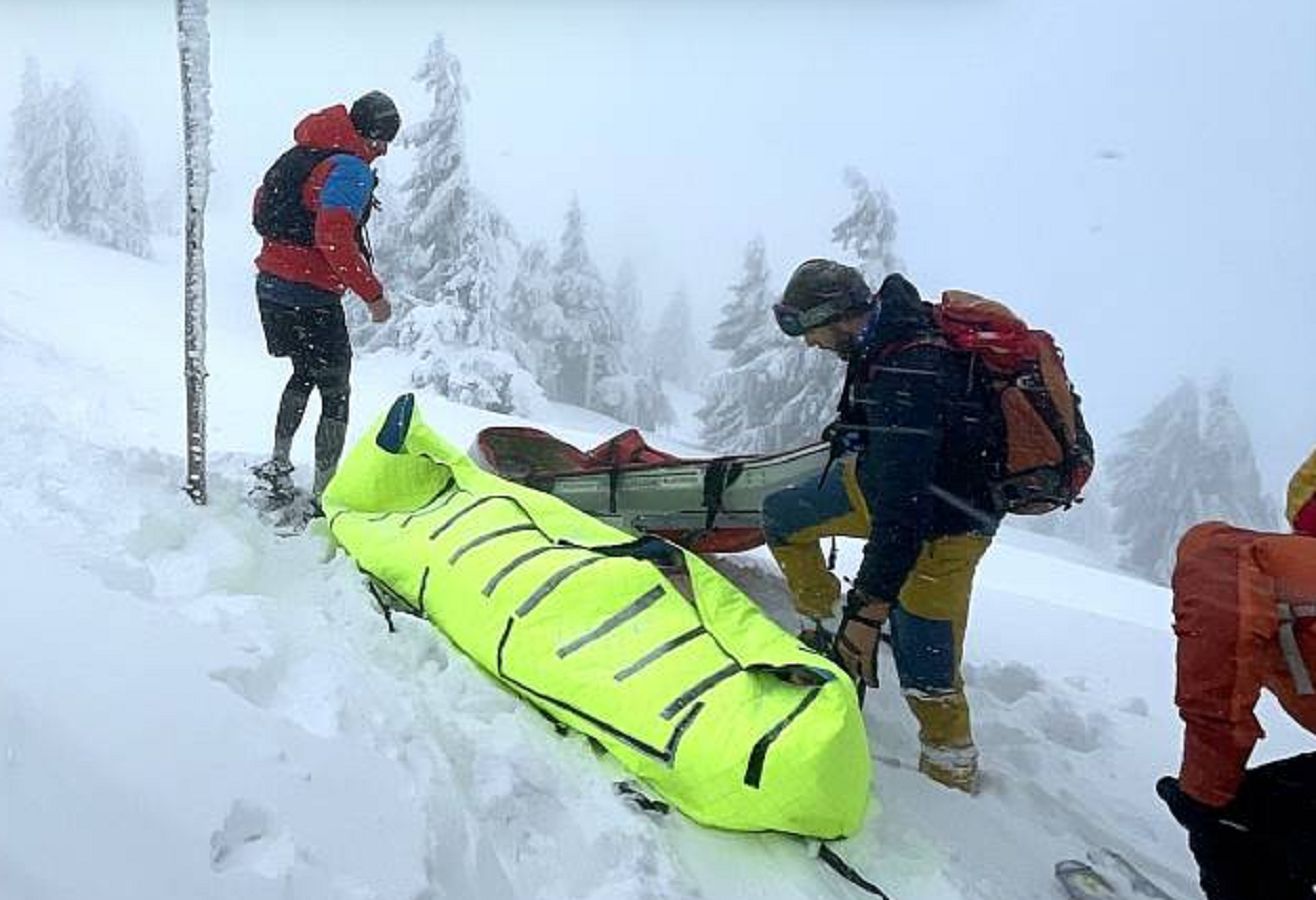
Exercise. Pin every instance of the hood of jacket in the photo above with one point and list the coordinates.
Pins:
(902, 314)
(331, 129)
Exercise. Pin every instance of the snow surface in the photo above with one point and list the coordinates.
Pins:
(191, 707)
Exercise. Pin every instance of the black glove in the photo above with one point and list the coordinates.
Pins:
(860, 636)
(842, 438)
(1193, 815)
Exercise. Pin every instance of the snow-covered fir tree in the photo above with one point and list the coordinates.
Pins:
(774, 393)
(589, 347)
(87, 166)
(636, 396)
(63, 173)
(537, 322)
(1233, 482)
(672, 343)
(445, 258)
(1177, 468)
(627, 302)
(743, 333)
(592, 363)
(868, 232)
(1156, 480)
(125, 198)
(38, 175)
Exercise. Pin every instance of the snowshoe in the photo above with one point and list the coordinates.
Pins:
(293, 517)
(274, 488)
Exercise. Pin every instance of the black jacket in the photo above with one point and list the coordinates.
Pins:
(924, 412)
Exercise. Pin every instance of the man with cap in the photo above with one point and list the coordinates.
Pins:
(912, 482)
(311, 210)
(1245, 618)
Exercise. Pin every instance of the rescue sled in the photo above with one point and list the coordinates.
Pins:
(709, 505)
(638, 644)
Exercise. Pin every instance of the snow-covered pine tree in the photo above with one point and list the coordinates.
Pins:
(1156, 483)
(775, 393)
(798, 396)
(672, 344)
(1181, 466)
(627, 303)
(445, 261)
(88, 168)
(38, 173)
(590, 346)
(868, 232)
(537, 322)
(125, 200)
(418, 248)
(745, 332)
(1232, 485)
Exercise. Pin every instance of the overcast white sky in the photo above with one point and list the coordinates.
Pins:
(1138, 177)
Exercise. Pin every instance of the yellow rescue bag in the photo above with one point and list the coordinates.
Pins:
(691, 688)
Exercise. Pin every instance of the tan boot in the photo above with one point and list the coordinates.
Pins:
(954, 767)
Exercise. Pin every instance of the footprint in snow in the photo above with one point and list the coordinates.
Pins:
(250, 840)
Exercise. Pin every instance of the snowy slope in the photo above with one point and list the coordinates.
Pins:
(191, 707)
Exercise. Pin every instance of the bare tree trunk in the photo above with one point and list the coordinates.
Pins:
(194, 69)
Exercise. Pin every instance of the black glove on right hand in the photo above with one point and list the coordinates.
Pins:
(1194, 815)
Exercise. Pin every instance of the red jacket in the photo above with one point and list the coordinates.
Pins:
(336, 193)
(1245, 615)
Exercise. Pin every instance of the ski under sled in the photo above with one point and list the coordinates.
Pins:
(709, 505)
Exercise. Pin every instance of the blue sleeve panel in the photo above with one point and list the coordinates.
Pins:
(903, 407)
(348, 185)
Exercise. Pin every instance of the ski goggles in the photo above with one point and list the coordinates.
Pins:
(794, 321)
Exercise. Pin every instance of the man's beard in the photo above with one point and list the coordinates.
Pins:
(847, 348)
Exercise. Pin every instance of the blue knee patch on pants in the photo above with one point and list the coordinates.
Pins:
(802, 506)
(924, 651)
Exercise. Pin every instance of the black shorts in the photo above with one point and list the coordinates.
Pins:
(313, 335)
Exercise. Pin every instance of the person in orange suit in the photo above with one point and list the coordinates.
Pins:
(1245, 617)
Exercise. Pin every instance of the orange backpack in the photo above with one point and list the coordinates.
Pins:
(1047, 453)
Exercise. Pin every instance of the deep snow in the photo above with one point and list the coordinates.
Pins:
(192, 707)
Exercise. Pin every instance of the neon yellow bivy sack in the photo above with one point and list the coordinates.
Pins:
(690, 687)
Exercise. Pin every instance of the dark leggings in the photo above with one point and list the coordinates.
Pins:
(314, 339)
(309, 373)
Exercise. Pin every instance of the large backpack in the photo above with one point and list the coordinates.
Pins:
(1046, 453)
(279, 214)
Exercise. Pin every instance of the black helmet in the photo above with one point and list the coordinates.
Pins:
(375, 117)
(821, 291)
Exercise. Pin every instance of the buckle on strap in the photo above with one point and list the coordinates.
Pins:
(1288, 644)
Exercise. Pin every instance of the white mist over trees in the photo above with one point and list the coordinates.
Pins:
(1179, 467)
(66, 175)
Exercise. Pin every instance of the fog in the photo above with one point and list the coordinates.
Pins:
(1139, 178)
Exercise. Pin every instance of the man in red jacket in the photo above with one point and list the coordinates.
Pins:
(1245, 616)
(311, 209)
